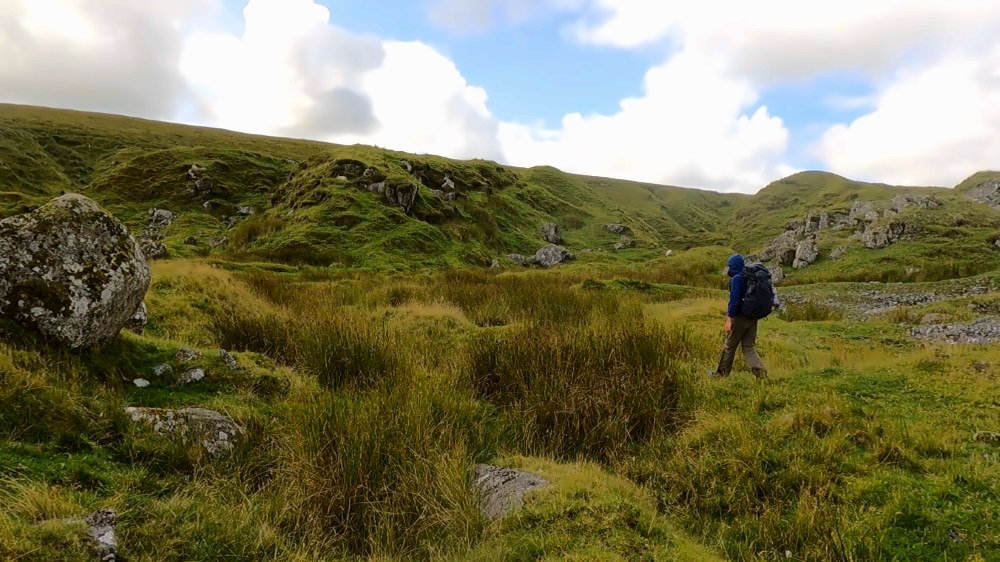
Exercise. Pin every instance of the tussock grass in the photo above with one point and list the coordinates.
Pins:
(809, 312)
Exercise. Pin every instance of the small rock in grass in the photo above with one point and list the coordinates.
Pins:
(502, 490)
(141, 383)
(990, 437)
(980, 366)
(229, 360)
(190, 376)
(191, 241)
(186, 355)
(215, 432)
(102, 530)
(162, 369)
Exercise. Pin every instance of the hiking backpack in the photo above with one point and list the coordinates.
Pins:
(758, 293)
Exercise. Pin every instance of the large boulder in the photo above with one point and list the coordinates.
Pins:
(987, 193)
(619, 229)
(502, 490)
(71, 271)
(883, 235)
(782, 249)
(907, 200)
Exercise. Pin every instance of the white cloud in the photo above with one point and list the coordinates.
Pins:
(935, 124)
(114, 55)
(470, 16)
(693, 126)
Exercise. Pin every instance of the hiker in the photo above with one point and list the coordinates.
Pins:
(751, 297)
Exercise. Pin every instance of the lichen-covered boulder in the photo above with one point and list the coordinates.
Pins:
(806, 253)
(551, 255)
(502, 490)
(552, 233)
(71, 271)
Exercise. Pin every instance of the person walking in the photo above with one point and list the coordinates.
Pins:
(751, 298)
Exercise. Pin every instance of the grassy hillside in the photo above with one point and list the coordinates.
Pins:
(306, 214)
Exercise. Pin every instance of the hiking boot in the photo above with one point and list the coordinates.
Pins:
(759, 373)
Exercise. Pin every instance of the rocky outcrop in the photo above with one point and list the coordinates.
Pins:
(782, 249)
(983, 330)
(215, 432)
(619, 229)
(883, 235)
(71, 271)
(229, 360)
(777, 274)
(987, 193)
(552, 233)
(502, 490)
(838, 252)
(806, 253)
(548, 256)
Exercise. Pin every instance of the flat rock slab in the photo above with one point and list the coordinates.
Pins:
(102, 529)
(502, 490)
(215, 432)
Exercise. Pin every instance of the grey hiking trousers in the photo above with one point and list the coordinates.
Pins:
(744, 334)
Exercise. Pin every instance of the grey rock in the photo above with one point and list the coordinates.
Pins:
(137, 323)
(501, 491)
(883, 235)
(141, 383)
(987, 193)
(402, 195)
(152, 248)
(191, 375)
(191, 241)
(186, 355)
(838, 252)
(982, 330)
(244, 211)
(980, 366)
(861, 209)
(908, 200)
(218, 242)
(551, 255)
(195, 171)
(552, 233)
(229, 360)
(934, 318)
(990, 437)
(997, 242)
(619, 229)
(495, 264)
(824, 220)
(669, 253)
(215, 432)
(71, 270)
(448, 185)
(520, 259)
(806, 253)
(777, 274)
(407, 165)
(623, 243)
(101, 528)
(782, 249)
(449, 196)
(341, 178)
(377, 187)
(203, 186)
(162, 370)
(160, 218)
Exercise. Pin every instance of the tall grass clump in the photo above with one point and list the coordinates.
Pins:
(810, 312)
(385, 473)
(583, 391)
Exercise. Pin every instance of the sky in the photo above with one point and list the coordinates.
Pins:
(721, 95)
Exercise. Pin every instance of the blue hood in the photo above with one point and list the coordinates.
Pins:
(735, 264)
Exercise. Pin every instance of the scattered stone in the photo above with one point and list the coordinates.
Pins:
(495, 264)
(997, 242)
(215, 432)
(669, 253)
(195, 171)
(448, 184)
(71, 271)
(186, 355)
(980, 366)
(160, 218)
(407, 165)
(990, 437)
(450, 196)
(402, 195)
(102, 530)
(137, 324)
(548, 256)
(862, 210)
(623, 243)
(141, 383)
(229, 360)
(982, 330)
(619, 229)
(244, 211)
(838, 252)
(191, 241)
(152, 249)
(519, 259)
(190, 376)
(552, 233)
(202, 186)
(908, 200)
(162, 370)
(217, 242)
(341, 178)
(501, 490)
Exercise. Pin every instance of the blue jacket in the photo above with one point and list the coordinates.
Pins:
(736, 284)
